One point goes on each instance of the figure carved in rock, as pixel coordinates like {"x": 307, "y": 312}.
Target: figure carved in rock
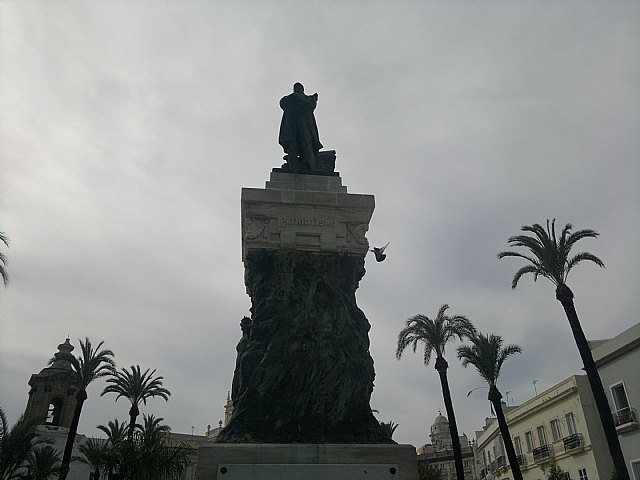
{"x": 236, "y": 388}
{"x": 255, "y": 228}
{"x": 298, "y": 130}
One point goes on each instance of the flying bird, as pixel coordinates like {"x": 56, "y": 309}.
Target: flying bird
{"x": 379, "y": 252}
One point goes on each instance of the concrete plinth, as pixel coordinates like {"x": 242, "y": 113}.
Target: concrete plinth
{"x": 306, "y": 462}
{"x": 305, "y": 213}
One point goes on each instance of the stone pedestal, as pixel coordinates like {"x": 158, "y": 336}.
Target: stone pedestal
{"x": 306, "y": 462}
{"x": 303, "y": 371}
{"x": 305, "y": 213}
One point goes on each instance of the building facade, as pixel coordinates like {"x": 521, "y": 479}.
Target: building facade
{"x": 618, "y": 362}
{"x": 558, "y": 427}
{"x": 440, "y": 451}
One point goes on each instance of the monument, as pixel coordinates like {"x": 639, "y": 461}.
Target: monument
{"x": 304, "y": 375}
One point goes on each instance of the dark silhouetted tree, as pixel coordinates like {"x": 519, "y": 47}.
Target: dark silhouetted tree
{"x": 389, "y": 428}
{"x": 43, "y": 463}
{"x": 91, "y": 364}
{"x": 550, "y": 257}
{"x": 487, "y": 354}
{"x": 434, "y": 334}
{"x": 16, "y": 444}
{"x": 136, "y": 387}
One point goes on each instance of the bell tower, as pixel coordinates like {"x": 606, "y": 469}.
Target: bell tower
{"x": 52, "y": 394}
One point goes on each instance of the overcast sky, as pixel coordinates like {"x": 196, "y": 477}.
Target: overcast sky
{"x": 129, "y": 129}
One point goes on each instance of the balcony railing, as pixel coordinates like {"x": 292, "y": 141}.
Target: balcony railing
{"x": 624, "y": 416}
{"x": 573, "y": 441}
{"x": 522, "y": 459}
{"x": 542, "y": 453}
{"x": 501, "y": 461}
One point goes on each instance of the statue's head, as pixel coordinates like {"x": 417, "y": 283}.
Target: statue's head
{"x": 245, "y": 325}
{"x": 298, "y": 88}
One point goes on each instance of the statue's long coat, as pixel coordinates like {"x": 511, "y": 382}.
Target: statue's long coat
{"x": 298, "y": 129}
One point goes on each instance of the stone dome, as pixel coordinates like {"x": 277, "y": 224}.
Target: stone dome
{"x": 440, "y": 420}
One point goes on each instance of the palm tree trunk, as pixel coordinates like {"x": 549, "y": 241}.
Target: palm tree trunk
{"x": 133, "y": 415}
{"x": 134, "y": 411}
{"x": 441, "y": 367}
{"x": 81, "y": 396}
{"x": 495, "y": 398}
{"x": 565, "y": 296}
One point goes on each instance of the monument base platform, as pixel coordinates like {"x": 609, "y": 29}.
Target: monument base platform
{"x": 265, "y": 461}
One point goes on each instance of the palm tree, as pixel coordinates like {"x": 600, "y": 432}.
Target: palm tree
{"x": 550, "y": 257}
{"x": 43, "y": 463}
{"x": 487, "y": 354}
{"x": 136, "y": 387}
{"x": 95, "y": 453}
{"x": 152, "y": 456}
{"x": 116, "y": 435}
{"x": 16, "y": 444}
{"x": 3, "y": 260}
{"x": 389, "y": 428}
{"x": 93, "y": 363}
{"x": 114, "y": 430}
{"x": 435, "y": 334}
{"x": 152, "y": 428}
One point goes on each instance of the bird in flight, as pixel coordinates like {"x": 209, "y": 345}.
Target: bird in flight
{"x": 379, "y": 252}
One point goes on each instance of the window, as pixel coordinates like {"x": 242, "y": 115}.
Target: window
{"x": 542, "y": 435}
{"x": 571, "y": 423}
{"x": 555, "y": 429}
{"x": 635, "y": 468}
{"x": 53, "y": 412}
{"x": 582, "y": 474}
{"x": 517, "y": 445}
{"x": 528, "y": 436}
{"x": 619, "y": 395}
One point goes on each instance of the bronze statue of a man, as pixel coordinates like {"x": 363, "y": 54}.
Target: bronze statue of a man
{"x": 298, "y": 130}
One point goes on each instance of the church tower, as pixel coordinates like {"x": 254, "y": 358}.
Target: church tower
{"x": 440, "y": 434}
{"x": 52, "y": 396}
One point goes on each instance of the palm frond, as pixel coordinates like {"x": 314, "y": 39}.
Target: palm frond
{"x": 433, "y": 334}
{"x": 43, "y": 462}
{"x": 115, "y": 430}
{"x": 135, "y": 385}
{"x": 389, "y": 428}
{"x": 92, "y": 363}
{"x": 487, "y": 355}
{"x": 17, "y": 443}
{"x": 581, "y": 257}
{"x": 505, "y": 353}
{"x": 549, "y": 255}
{"x": 523, "y": 271}
{"x": 579, "y": 235}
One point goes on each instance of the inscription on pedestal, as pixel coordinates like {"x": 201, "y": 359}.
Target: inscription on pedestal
{"x": 287, "y": 216}
{"x": 309, "y": 222}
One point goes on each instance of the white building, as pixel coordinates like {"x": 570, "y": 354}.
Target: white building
{"x": 559, "y": 427}
{"x": 618, "y": 362}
